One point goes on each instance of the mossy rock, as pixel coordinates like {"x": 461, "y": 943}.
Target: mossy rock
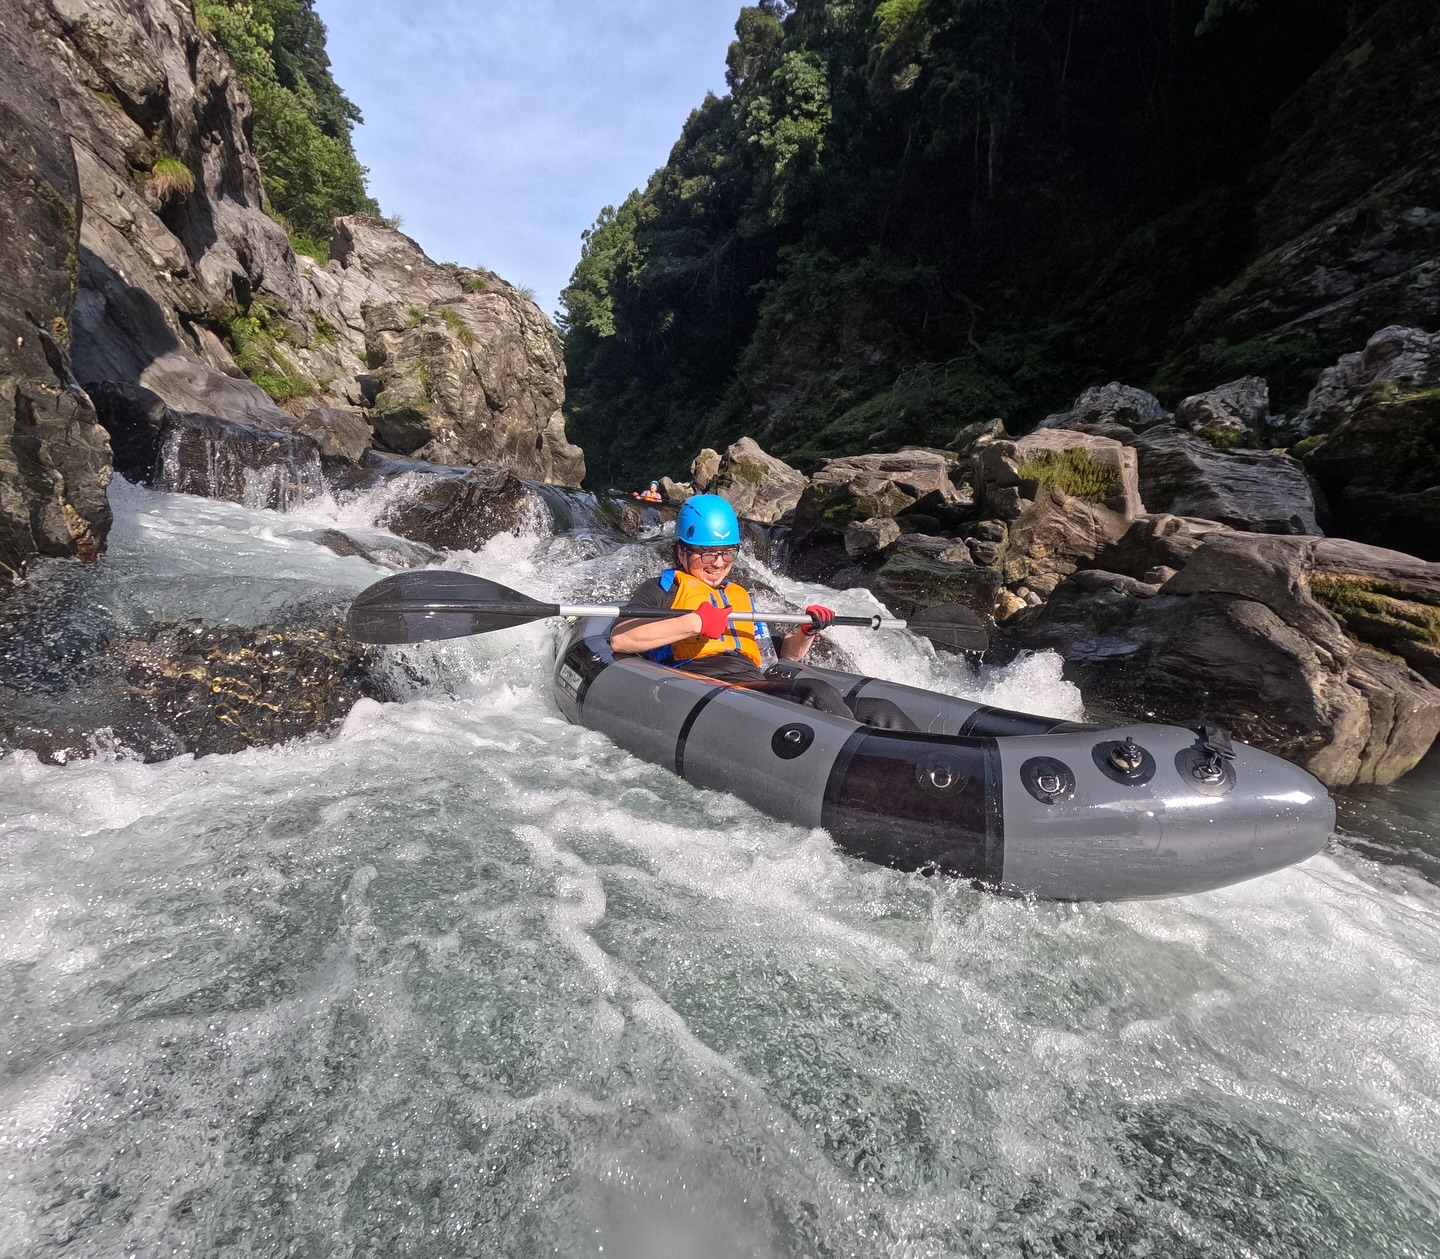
{"x": 1075, "y": 472}
{"x": 1394, "y": 617}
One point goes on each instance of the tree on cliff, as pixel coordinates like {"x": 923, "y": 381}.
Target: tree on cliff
{"x": 302, "y": 118}
{"x": 909, "y": 214}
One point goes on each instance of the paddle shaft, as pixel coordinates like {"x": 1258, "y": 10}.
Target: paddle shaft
{"x": 616, "y": 611}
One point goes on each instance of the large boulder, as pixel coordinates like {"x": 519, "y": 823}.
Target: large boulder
{"x": 1242, "y": 634}
{"x": 922, "y": 572}
{"x": 54, "y": 457}
{"x": 1408, "y": 357}
{"x": 474, "y": 379}
{"x": 189, "y": 289}
{"x": 1228, "y": 413}
{"x": 1386, "y": 599}
{"x": 161, "y": 263}
{"x": 703, "y": 469}
{"x": 865, "y": 486}
{"x": 1379, "y": 466}
{"x": 1261, "y": 491}
{"x": 1009, "y": 474}
{"x": 759, "y": 486}
{"x": 1110, "y": 404}
{"x": 1053, "y": 537}
{"x": 343, "y": 436}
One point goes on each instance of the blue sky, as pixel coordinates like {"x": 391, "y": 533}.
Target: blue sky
{"x": 498, "y": 128}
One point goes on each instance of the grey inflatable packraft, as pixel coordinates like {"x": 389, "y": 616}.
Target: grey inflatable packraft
{"x": 1023, "y": 804}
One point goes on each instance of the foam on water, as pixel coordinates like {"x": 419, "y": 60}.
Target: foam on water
{"x": 463, "y": 979}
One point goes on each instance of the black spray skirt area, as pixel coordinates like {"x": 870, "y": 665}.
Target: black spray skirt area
{"x": 1023, "y": 804}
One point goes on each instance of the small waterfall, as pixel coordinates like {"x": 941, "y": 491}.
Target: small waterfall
{"x": 257, "y": 468}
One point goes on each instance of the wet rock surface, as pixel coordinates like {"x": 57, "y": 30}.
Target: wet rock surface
{"x": 187, "y": 687}
{"x": 457, "y": 509}
{"x": 54, "y": 457}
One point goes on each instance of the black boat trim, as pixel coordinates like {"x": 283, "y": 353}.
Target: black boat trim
{"x": 690, "y": 718}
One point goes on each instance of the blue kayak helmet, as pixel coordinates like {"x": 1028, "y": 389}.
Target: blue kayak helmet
{"x": 707, "y": 520}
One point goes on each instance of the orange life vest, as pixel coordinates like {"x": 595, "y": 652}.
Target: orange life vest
{"x": 691, "y": 592}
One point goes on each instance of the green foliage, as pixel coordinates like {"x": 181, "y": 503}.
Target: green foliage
{"x": 526, "y": 292}
{"x": 413, "y": 316}
{"x": 170, "y": 177}
{"x": 474, "y": 284}
{"x": 255, "y": 337}
{"x": 1021, "y": 197}
{"x": 302, "y": 119}
{"x": 393, "y": 221}
{"x": 457, "y": 325}
{"x": 1075, "y": 472}
{"x": 1220, "y": 436}
{"x": 311, "y": 248}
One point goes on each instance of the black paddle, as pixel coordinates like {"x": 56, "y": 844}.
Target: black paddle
{"x": 420, "y": 607}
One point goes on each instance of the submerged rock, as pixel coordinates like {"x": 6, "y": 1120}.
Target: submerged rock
{"x": 187, "y": 687}
{"x": 453, "y": 508}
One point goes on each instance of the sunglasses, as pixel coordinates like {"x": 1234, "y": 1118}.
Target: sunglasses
{"x": 713, "y": 554}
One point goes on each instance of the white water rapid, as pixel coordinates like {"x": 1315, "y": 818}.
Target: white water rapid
{"x": 463, "y": 979}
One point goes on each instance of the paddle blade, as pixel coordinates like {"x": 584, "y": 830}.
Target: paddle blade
{"x": 400, "y": 609}
{"x": 951, "y": 625}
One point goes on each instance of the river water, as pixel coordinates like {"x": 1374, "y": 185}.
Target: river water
{"x": 463, "y": 979}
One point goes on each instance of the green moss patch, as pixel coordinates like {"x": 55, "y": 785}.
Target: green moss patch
{"x": 1075, "y": 472}
{"x": 1392, "y": 616}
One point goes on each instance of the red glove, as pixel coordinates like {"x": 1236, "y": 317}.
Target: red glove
{"x": 714, "y": 622}
{"x": 823, "y": 616}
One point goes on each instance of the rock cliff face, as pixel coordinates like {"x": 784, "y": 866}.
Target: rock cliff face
{"x": 54, "y": 458}
{"x": 137, "y": 240}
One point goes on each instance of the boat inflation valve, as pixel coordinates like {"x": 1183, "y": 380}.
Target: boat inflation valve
{"x": 1206, "y": 767}
{"x": 791, "y": 740}
{"x": 938, "y": 776}
{"x": 1048, "y": 780}
{"x": 1124, "y": 761}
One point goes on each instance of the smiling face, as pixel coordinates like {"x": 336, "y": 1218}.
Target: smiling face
{"x": 710, "y": 564}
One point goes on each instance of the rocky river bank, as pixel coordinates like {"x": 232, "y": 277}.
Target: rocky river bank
{"x": 1275, "y": 573}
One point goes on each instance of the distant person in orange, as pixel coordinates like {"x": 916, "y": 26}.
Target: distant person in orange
{"x": 652, "y": 495}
